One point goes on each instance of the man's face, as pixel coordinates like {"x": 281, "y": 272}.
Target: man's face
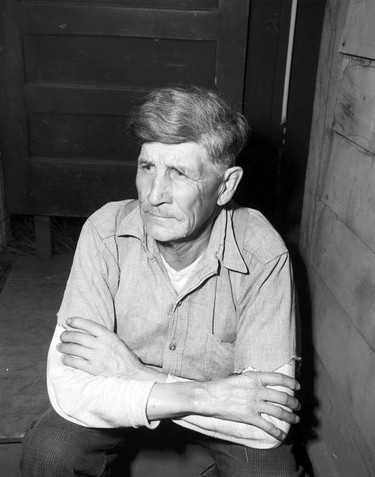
{"x": 178, "y": 187}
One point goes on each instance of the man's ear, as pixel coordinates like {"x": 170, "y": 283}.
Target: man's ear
{"x": 231, "y": 179}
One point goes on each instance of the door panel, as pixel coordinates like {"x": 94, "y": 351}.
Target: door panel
{"x": 129, "y": 62}
{"x": 71, "y": 73}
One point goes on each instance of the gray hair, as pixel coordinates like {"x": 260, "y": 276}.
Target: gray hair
{"x": 191, "y": 114}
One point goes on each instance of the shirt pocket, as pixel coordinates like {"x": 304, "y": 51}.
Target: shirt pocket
{"x": 219, "y": 358}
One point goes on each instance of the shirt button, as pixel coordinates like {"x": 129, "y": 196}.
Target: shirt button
{"x": 172, "y": 346}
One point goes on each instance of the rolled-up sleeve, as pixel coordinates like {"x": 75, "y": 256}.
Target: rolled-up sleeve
{"x": 266, "y": 335}
{"x": 93, "y": 401}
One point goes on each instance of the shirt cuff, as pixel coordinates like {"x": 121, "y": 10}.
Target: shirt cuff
{"x": 137, "y": 405}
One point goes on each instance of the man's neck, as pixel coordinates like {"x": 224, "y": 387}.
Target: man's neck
{"x": 182, "y": 253}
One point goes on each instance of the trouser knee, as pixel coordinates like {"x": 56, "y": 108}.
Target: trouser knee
{"x": 54, "y": 447}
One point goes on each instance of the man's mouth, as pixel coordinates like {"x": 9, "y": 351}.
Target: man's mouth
{"x": 159, "y": 216}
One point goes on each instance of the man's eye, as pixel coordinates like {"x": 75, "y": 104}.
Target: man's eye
{"x": 178, "y": 173}
{"x": 146, "y": 167}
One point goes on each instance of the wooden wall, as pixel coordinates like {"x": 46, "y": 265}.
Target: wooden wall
{"x": 3, "y": 214}
{"x": 338, "y": 242}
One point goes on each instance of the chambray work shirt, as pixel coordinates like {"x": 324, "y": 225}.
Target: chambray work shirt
{"x": 236, "y": 312}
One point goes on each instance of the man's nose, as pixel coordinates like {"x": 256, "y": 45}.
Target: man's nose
{"x": 159, "y": 192}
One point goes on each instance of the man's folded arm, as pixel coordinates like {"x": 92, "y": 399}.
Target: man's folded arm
{"x": 95, "y": 401}
{"x": 238, "y": 432}
{"x": 125, "y": 401}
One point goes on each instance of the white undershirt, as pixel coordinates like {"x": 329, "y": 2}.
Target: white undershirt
{"x": 179, "y": 278}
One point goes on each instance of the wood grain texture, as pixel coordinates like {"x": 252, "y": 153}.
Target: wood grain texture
{"x": 230, "y": 54}
{"x": 359, "y": 38}
{"x": 326, "y": 84}
{"x": 180, "y": 5}
{"x": 354, "y": 115}
{"x": 81, "y": 66}
{"x": 350, "y": 363}
{"x": 97, "y": 137}
{"x": 126, "y": 62}
{"x": 79, "y": 186}
{"x": 347, "y": 266}
{"x": 57, "y": 19}
{"x": 28, "y": 306}
{"x": 340, "y": 450}
{"x": 338, "y": 246}
{"x": 111, "y": 100}
{"x": 348, "y": 188}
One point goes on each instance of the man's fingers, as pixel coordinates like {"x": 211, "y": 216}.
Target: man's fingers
{"x": 278, "y": 379}
{"x": 282, "y": 398}
{"x": 268, "y": 427}
{"x": 77, "y": 363}
{"x": 89, "y": 326}
{"x": 78, "y": 337}
{"x": 74, "y": 350}
{"x": 280, "y": 413}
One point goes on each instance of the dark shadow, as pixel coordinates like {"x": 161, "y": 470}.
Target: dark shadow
{"x": 258, "y": 188}
{"x": 269, "y": 182}
{"x": 268, "y": 185}
{"x": 305, "y": 431}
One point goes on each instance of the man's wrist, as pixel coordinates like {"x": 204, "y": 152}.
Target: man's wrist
{"x": 201, "y": 399}
{"x": 176, "y": 400}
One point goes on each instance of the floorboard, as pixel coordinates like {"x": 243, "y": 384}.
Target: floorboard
{"x": 28, "y": 305}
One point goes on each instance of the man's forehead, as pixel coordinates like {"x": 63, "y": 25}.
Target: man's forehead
{"x": 184, "y": 149}
{"x": 189, "y": 154}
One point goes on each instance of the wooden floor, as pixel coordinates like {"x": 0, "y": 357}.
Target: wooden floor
{"x": 28, "y": 306}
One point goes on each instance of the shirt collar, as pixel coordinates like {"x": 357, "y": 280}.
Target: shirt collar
{"x": 222, "y": 245}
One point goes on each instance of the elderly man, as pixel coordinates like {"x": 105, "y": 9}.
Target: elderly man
{"x": 178, "y": 312}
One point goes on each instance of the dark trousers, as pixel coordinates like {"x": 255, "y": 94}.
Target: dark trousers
{"x": 55, "y": 447}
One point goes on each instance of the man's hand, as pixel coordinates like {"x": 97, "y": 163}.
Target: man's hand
{"x": 248, "y": 397}
{"x": 96, "y": 350}
{"x": 245, "y": 398}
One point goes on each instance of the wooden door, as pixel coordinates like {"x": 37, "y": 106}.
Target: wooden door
{"x": 70, "y": 72}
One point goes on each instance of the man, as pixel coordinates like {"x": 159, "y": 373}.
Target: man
{"x": 179, "y": 307}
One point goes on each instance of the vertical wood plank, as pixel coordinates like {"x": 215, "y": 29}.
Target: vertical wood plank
{"x": 231, "y": 49}
{"x": 359, "y": 38}
{"x": 349, "y": 360}
{"x": 339, "y": 450}
{"x": 349, "y": 187}
{"x": 351, "y": 281}
{"x": 337, "y": 245}
{"x": 326, "y": 84}
{"x": 354, "y": 115}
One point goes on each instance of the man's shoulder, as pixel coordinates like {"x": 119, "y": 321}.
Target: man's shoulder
{"x": 256, "y": 234}
{"x": 108, "y": 218}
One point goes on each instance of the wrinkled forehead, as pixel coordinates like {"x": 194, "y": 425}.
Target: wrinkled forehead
{"x": 189, "y": 155}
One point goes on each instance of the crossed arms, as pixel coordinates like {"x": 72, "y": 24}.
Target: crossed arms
{"x": 101, "y": 383}
{"x": 245, "y": 408}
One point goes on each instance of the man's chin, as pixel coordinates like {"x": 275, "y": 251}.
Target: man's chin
{"x": 164, "y": 234}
